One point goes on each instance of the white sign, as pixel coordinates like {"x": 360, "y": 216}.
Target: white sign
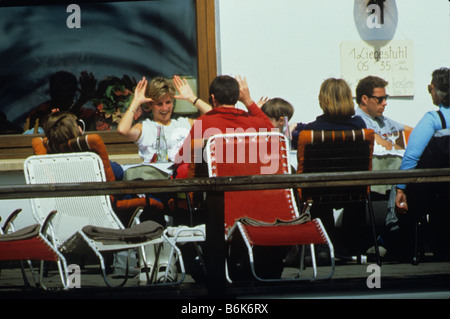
{"x": 392, "y": 61}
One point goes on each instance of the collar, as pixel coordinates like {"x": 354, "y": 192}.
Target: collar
{"x": 226, "y": 110}
{"x": 360, "y": 112}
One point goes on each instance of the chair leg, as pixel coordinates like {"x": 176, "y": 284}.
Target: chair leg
{"x": 415, "y": 257}
{"x": 24, "y": 275}
{"x": 374, "y": 232}
{"x": 313, "y": 260}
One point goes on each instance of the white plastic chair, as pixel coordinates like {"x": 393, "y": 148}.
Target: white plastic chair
{"x": 76, "y": 212}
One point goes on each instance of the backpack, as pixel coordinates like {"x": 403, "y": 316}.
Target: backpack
{"x": 437, "y": 152}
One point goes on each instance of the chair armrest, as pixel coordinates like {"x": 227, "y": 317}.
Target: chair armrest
{"x": 135, "y": 218}
{"x": 47, "y": 221}
{"x": 10, "y": 220}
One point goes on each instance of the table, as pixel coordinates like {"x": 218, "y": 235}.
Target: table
{"x": 383, "y": 160}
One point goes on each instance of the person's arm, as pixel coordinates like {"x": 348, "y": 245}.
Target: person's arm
{"x": 262, "y": 101}
{"x": 417, "y": 142}
{"x": 400, "y": 201}
{"x": 383, "y": 142}
{"x": 185, "y": 93}
{"x": 244, "y": 92}
{"x": 125, "y": 127}
{"x": 252, "y": 107}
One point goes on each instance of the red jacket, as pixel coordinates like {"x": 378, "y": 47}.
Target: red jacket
{"x": 223, "y": 120}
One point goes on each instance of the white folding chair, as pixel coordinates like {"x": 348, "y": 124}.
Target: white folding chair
{"x": 76, "y": 212}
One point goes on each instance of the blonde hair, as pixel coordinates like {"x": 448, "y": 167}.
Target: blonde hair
{"x": 159, "y": 87}
{"x": 59, "y": 127}
{"x": 335, "y": 98}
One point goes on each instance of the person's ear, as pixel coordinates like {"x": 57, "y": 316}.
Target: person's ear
{"x": 212, "y": 100}
{"x": 364, "y": 99}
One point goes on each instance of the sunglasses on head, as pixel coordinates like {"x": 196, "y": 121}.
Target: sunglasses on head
{"x": 380, "y": 99}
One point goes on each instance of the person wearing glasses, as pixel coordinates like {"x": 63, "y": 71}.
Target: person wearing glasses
{"x": 372, "y": 99}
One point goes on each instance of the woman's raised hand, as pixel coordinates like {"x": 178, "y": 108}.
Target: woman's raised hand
{"x": 139, "y": 92}
{"x": 184, "y": 90}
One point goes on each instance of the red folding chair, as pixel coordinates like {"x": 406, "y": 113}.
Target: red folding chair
{"x": 263, "y": 217}
{"x": 31, "y": 244}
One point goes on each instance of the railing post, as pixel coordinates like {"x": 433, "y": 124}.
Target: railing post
{"x": 215, "y": 245}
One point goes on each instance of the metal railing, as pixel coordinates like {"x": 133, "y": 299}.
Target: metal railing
{"x": 232, "y": 183}
{"x": 215, "y": 188}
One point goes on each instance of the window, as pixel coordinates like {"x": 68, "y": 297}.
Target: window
{"x": 118, "y": 41}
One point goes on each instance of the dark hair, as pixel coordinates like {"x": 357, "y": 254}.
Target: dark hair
{"x": 365, "y": 86}
{"x": 440, "y": 80}
{"x": 225, "y": 89}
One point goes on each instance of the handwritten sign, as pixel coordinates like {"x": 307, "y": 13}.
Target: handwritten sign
{"x": 392, "y": 61}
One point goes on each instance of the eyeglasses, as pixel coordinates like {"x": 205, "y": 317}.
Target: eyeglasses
{"x": 380, "y": 99}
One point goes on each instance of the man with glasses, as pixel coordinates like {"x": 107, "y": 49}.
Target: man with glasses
{"x": 372, "y": 100}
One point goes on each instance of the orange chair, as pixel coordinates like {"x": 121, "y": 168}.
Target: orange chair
{"x": 263, "y": 217}
{"x": 337, "y": 151}
{"x": 94, "y": 143}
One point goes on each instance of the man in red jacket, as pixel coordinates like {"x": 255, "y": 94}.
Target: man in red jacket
{"x": 224, "y": 92}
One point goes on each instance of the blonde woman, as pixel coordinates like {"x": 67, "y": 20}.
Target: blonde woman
{"x": 157, "y": 97}
{"x": 335, "y": 99}
{"x": 336, "y": 102}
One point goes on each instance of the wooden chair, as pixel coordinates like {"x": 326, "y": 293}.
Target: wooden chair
{"x": 337, "y": 151}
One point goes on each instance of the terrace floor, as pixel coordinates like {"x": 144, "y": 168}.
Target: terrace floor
{"x": 428, "y": 279}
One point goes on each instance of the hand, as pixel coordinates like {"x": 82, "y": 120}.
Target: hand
{"x": 381, "y": 141}
{"x": 261, "y": 101}
{"x": 139, "y": 93}
{"x": 400, "y": 202}
{"x": 244, "y": 92}
{"x": 184, "y": 90}
{"x": 88, "y": 85}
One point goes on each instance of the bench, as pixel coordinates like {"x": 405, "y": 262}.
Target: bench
{"x": 14, "y": 149}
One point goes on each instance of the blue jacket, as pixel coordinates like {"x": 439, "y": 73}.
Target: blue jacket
{"x": 421, "y": 136}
